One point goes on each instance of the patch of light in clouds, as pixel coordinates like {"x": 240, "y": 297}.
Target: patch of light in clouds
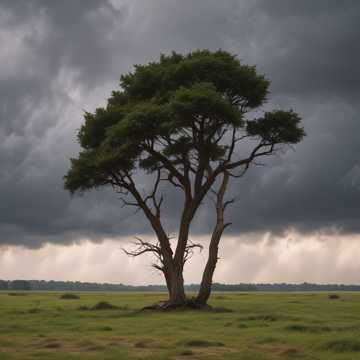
{"x": 321, "y": 258}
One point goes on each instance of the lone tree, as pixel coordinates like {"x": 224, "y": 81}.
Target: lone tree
{"x": 181, "y": 120}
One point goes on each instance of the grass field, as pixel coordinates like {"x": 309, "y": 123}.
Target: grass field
{"x": 259, "y": 326}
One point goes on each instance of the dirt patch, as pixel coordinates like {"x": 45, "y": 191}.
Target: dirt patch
{"x": 48, "y": 343}
{"x": 291, "y": 352}
{"x": 53, "y": 345}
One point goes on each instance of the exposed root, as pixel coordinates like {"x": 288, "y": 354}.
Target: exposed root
{"x": 188, "y": 304}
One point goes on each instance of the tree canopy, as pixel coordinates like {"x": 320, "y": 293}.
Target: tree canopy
{"x": 180, "y": 118}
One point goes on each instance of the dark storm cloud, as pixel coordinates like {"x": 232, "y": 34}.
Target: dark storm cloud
{"x": 60, "y": 57}
{"x": 312, "y": 188}
{"x": 315, "y": 46}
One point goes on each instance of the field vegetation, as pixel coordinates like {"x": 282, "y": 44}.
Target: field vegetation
{"x": 242, "y": 326}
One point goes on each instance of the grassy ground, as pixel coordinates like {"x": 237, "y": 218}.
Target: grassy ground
{"x": 260, "y": 326}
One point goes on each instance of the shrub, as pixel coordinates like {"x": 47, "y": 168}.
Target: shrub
{"x": 104, "y": 305}
{"x": 69, "y": 296}
{"x": 106, "y": 328}
{"x": 17, "y": 294}
{"x": 186, "y": 353}
{"x": 343, "y": 345}
{"x": 307, "y": 328}
{"x": 203, "y": 343}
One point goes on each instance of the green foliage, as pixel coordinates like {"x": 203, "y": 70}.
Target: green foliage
{"x": 92, "y": 133}
{"x": 179, "y": 107}
{"x": 92, "y": 168}
{"x": 158, "y": 79}
{"x": 202, "y": 99}
{"x": 19, "y": 285}
{"x": 277, "y": 127}
{"x": 3, "y": 285}
{"x": 144, "y": 122}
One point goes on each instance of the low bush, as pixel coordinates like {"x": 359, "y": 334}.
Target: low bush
{"x": 309, "y": 328}
{"x": 102, "y": 305}
{"x": 203, "y": 343}
{"x": 186, "y": 353}
{"x": 17, "y": 294}
{"x": 69, "y": 296}
{"x": 343, "y": 345}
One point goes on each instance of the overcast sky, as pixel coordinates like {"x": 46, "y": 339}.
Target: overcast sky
{"x": 300, "y": 212}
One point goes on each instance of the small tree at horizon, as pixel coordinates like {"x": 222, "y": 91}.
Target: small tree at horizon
{"x": 182, "y": 120}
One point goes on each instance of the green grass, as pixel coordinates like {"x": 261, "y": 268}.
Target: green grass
{"x": 260, "y": 326}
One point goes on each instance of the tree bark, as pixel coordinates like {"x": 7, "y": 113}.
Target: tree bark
{"x": 177, "y": 293}
{"x": 206, "y": 282}
{"x": 174, "y": 281}
{"x": 174, "y": 278}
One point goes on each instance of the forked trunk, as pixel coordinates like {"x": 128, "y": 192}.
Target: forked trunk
{"x": 173, "y": 265}
{"x": 206, "y": 282}
{"x": 174, "y": 279}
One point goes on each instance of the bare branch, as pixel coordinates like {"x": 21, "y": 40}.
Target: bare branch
{"x": 228, "y": 202}
{"x": 169, "y": 166}
{"x": 189, "y": 250}
{"x": 143, "y": 247}
{"x": 254, "y": 154}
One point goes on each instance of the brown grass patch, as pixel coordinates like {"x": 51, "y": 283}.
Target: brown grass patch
{"x": 291, "y": 352}
{"x": 53, "y": 345}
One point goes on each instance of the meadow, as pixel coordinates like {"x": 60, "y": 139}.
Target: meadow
{"x": 242, "y": 326}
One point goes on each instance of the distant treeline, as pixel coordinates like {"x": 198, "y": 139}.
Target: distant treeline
{"x": 42, "y": 285}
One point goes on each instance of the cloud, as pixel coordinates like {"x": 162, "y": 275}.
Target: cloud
{"x": 60, "y": 58}
{"x": 254, "y": 258}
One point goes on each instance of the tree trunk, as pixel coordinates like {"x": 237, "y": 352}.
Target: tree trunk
{"x": 206, "y": 282}
{"x": 177, "y": 292}
{"x": 167, "y": 279}
{"x": 174, "y": 282}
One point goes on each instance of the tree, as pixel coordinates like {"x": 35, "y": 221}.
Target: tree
{"x": 181, "y": 120}
{"x": 19, "y": 285}
{"x": 3, "y": 285}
